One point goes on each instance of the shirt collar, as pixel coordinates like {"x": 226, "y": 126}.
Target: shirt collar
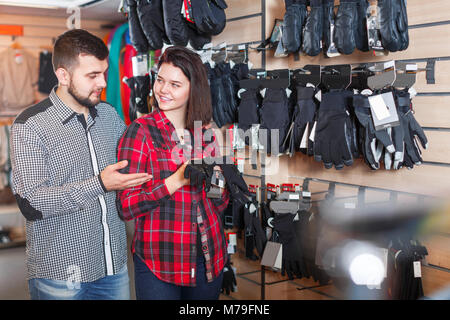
{"x": 64, "y": 112}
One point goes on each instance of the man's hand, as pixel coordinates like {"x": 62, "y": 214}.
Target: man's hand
{"x": 114, "y": 180}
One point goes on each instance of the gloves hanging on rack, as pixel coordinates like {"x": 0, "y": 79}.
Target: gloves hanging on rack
{"x": 294, "y": 20}
{"x": 248, "y": 112}
{"x": 274, "y": 114}
{"x": 328, "y": 19}
{"x": 313, "y": 30}
{"x": 174, "y": 24}
{"x": 370, "y": 138}
{"x": 137, "y": 36}
{"x": 345, "y": 26}
{"x": 393, "y": 24}
{"x": 283, "y": 225}
{"x": 304, "y": 117}
{"x": 150, "y": 18}
{"x": 209, "y": 16}
{"x": 255, "y": 237}
{"x": 361, "y": 36}
{"x": 139, "y": 92}
{"x": 411, "y": 130}
{"x": 333, "y": 136}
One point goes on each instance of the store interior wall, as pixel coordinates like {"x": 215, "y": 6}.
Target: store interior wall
{"x": 429, "y": 31}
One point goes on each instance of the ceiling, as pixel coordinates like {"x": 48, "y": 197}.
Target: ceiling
{"x": 101, "y": 10}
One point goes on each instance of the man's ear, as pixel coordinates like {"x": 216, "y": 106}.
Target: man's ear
{"x": 63, "y": 76}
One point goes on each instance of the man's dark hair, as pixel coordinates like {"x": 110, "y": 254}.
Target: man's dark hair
{"x": 199, "y": 106}
{"x": 72, "y": 43}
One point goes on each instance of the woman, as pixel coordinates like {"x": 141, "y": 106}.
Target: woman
{"x": 179, "y": 247}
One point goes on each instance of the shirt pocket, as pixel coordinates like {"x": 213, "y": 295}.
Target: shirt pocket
{"x": 165, "y": 159}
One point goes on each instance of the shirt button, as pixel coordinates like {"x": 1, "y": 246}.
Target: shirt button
{"x": 205, "y": 247}
{"x": 194, "y": 201}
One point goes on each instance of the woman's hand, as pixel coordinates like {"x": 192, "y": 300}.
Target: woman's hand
{"x": 177, "y": 180}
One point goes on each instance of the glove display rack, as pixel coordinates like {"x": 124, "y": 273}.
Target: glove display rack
{"x": 429, "y": 111}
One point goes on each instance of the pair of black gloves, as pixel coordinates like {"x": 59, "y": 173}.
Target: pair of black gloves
{"x": 201, "y": 173}
{"x": 307, "y": 31}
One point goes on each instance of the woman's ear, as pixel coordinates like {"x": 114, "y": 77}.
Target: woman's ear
{"x": 63, "y": 76}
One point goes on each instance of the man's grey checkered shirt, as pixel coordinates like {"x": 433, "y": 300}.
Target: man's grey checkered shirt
{"x": 72, "y": 234}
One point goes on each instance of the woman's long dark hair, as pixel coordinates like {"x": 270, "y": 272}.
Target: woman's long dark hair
{"x": 199, "y": 106}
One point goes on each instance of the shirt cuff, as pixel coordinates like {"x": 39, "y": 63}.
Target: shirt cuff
{"x": 93, "y": 188}
{"x": 160, "y": 191}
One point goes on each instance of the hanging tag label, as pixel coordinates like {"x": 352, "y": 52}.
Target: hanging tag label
{"x": 304, "y": 142}
{"x": 349, "y": 205}
{"x": 140, "y": 65}
{"x": 313, "y": 132}
{"x": 412, "y": 92}
{"x": 306, "y": 194}
{"x": 318, "y": 95}
{"x": 294, "y": 196}
{"x": 378, "y": 106}
{"x": 240, "y": 165}
{"x": 417, "y": 269}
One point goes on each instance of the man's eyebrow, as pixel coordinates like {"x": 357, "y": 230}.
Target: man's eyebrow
{"x": 97, "y": 72}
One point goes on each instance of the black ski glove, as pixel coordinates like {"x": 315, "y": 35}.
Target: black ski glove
{"x": 274, "y": 114}
{"x": 236, "y": 185}
{"x": 346, "y": 22}
{"x": 393, "y": 24}
{"x": 150, "y": 18}
{"x": 411, "y": 130}
{"x": 313, "y": 29}
{"x": 229, "y": 279}
{"x": 174, "y": 23}
{"x": 304, "y": 115}
{"x": 199, "y": 175}
{"x": 369, "y": 135}
{"x": 139, "y": 92}
{"x": 293, "y": 23}
{"x": 137, "y": 36}
{"x": 248, "y": 113}
{"x": 328, "y": 18}
{"x": 333, "y": 138}
{"x": 361, "y": 38}
{"x": 283, "y": 224}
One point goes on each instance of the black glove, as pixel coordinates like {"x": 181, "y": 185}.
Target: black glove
{"x": 139, "y": 92}
{"x": 332, "y": 142}
{"x": 304, "y": 115}
{"x": 328, "y": 18}
{"x": 274, "y": 114}
{"x": 345, "y": 28}
{"x": 361, "y": 38}
{"x": 217, "y": 95}
{"x": 197, "y": 39}
{"x": 411, "y": 130}
{"x": 283, "y": 224}
{"x": 393, "y": 24}
{"x": 150, "y": 18}
{"x": 313, "y": 29}
{"x": 230, "y": 100}
{"x": 229, "y": 279}
{"x": 174, "y": 23}
{"x": 137, "y": 36}
{"x": 293, "y": 23}
{"x": 236, "y": 185}
{"x": 248, "y": 112}
{"x": 199, "y": 174}
{"x": 369, "y": 136}
{"x": 208, "y": 17}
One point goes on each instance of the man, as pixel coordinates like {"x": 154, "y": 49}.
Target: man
{"x": 64, "y": 177}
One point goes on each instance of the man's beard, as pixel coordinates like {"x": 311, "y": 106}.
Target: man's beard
{"x": 84, "y": 101}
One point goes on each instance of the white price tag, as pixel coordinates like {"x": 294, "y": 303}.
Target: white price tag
{"x": 379, "y": 107}
{"x": 294, "y": 196}
{"x": 306, "y": 194}
{"x": 232, "y": 239}
{"x": 411, "y": 67}
{"x": 389, "y": 64}
{"x": 417, "y": 269}
{"x": 349, "y": 205}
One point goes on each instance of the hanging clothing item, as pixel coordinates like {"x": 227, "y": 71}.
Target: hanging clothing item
{"x": 18, "y": 78}
{"x": 47, "y": 77}
{"x": 114, "y": 81}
